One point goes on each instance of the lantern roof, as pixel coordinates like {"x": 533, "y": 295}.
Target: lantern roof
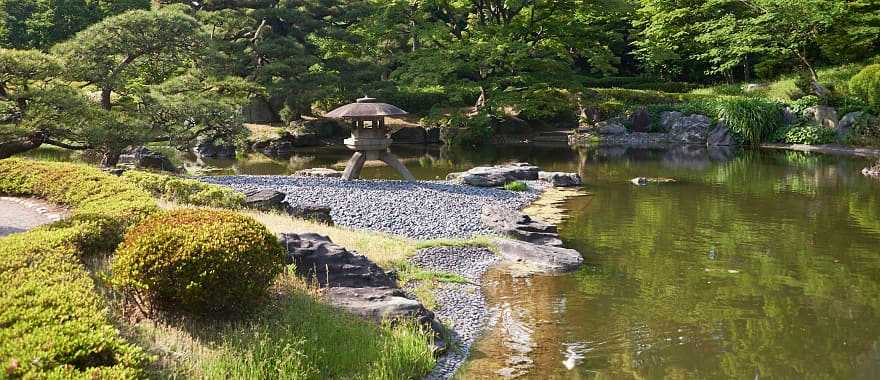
{"x": 364, "y": 108}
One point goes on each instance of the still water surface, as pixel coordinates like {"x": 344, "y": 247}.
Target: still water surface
{"x": 754, "y": 264}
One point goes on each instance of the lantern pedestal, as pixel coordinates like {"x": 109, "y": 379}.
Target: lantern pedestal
{"x": 371, "y": 144}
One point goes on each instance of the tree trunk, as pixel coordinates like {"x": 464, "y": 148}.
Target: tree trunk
{"x": 21, "y": 145}
{"x": 105, "y": 99}
{"x": 110, "y": 157}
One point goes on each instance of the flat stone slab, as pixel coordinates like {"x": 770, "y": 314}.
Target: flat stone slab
{"x": 22, "y": 214}
{"x": 539, "y": 258}
{"x": 319, "y": 172}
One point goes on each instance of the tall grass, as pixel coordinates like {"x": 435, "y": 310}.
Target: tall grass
{"x": 754, "y": 120}
{"x": 294, "y": 337}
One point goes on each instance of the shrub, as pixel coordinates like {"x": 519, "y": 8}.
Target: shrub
{"x": 808, "y": 133}
{"x": 186, "y": 191}
{"x": 865, "y": 132}
{"x": 798, "y": 106}
{"x": 866, "y": 85}
{"x": 199, "y": 261}
{"x": 516, "y": 186}
{"x": 53, "y": 324}
{"x": 753, "y": 120}
{"x": 459, "y": 129}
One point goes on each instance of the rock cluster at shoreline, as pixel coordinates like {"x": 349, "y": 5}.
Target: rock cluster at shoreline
{"x": 462, "y": 307}
{"x": 420, "y": 210}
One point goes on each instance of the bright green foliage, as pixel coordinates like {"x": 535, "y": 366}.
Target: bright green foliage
{"x": 186, "y": 191}
{"x": 866, "y": 85}
{"x": 865, "y": 131}
{"x": 38, "y": 24}
{"x": 753, "y": 119}
{"x": 808, "y": 133}
{"x": 200, "y": 261}
{"x": 53, "y": 324}
{"x": 89, "y": 191}
{"x": 461, "y": 129}
{"x": 516, "y": 186}
{"x": 305, "y": 339}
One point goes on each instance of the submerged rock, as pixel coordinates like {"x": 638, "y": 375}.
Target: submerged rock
{"x": 520, "y": 226}
{"x": 560, "y": 179}
{"x": 872, "y": 171}
{"x": 644, "y": 181}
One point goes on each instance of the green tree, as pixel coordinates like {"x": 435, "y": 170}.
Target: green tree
{"x": 41, "y": 23}
{"x": 134, "y": 78}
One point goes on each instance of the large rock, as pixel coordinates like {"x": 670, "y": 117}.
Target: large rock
{"x": 319, "y": 172}
{"x": 789, "y": 117}
{"x": 824, "y": 115}
{"x": 323, "y": 129}
{"x": 410, "y": 135}
{"x": 519, "y": 226}
{"x": 640, "y": 120}
{"x": 265, "y": 200}
{"x": 610, "y": 128}
{"x": 145, "y": 158}
{"x": 668, "y": 118}
{"x": 356, "y": 284}
{"x": 847, "y": 122}
{"x": 209, "y": 149}
{"x": 692, "y": 129}
{"x": 381, "y": 304}
{"x": 560, "y": 179}
{"x": 330, "y": 265}
{"x": 720, "y": 135}
{"x": 315, "y": 213}
{"x": 540, "y": 258}
{"x": 493, "y": 176}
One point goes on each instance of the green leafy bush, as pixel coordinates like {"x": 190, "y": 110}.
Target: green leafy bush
{"x": 866, "y": 85}
{"x": 752, "y": 119}
{"x": 798, "y": 106}
{"x": 459, "y": 129}
{"x": 516, "y": 186}
{"x": 185, "y": 191}
{"x": 199, "y": 261}
{"x": 807, "y": 133}
{"x": 865, "y": 132}
{"x": 53, "y": 324}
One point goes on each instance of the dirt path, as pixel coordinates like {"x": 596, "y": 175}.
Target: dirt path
{"x": 22, "y": 214}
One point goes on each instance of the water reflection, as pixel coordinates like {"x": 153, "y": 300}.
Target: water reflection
{"x": 762, "y": 265}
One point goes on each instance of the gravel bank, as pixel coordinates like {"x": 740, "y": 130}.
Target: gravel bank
{"x": 419, "y": 210}
{"x": 461, "y": 307}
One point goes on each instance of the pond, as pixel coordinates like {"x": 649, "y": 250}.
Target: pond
{"x": 753, "y": 264}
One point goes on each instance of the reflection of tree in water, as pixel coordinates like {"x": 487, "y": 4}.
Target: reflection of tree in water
{"x": 764, "y": 266}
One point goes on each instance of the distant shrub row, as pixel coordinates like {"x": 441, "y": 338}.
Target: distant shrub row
{"x": 53, "y": 324}
{"x": 186, "y": 191}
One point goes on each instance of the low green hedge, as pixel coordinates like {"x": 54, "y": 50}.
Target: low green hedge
{"x": 185, "y": 191}
{"x": 198, "y": 260}
{"x": 53, "y": 323}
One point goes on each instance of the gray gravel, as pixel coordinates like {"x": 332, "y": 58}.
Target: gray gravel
{"x": 461, "y": 307}
{"x": 420, "y": 210}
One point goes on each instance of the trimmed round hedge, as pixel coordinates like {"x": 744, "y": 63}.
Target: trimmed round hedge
{"x": 198, "y": 261}
{"x": 866, "y": 85}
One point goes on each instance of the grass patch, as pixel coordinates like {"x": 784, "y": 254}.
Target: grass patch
{"x": 516, "y": 186}
{"x": 293, "y": 337}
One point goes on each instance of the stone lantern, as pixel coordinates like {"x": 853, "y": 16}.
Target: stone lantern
{"x": 369, "y": 136}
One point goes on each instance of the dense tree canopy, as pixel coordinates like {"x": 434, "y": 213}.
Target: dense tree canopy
{"x": 188, "y": 65}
